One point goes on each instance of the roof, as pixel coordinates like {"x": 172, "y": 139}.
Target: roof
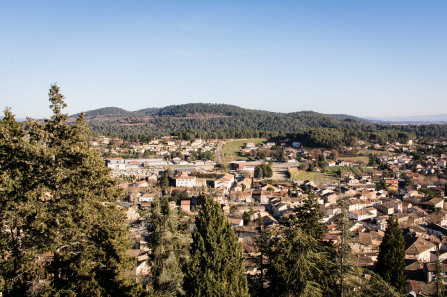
{"x": 433, "y": 201}
{"x": 422, "y": 288}
{"x": 185, "y": 177}
{"x": 226, "y": 177}
{"x": 438, "y": 228}
{"x": 418, "y": 245}
{"x": 234, "y": 221}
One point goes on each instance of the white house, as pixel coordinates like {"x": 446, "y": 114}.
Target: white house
{"x": 185, "y": 181}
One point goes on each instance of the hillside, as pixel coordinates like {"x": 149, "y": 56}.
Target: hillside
{"x": 107, "y": 112}
{"x": 229, "y": 121}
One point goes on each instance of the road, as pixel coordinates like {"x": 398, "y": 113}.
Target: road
{"x": 219, "y": 152}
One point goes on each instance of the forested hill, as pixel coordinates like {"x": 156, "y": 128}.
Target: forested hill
{"x": 228, "y": 121}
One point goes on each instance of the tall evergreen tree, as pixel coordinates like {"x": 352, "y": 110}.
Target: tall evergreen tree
{"x": 298, "y": 264}
{"x": 308, "y": 217}
{"x": 439, "y": 281}
{"x": 65, "y": 234}
{"x": 169, "y": 249}
{"x": 216, "y": 267}
{"x": 391, "y": 259}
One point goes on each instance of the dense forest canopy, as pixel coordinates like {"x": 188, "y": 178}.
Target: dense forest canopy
{"x": 202, "y": 120}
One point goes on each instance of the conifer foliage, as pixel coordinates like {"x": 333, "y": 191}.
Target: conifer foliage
{"x": 391, "y": 259}
{"x": 61, "y": 232}
{"x": 216, "y": 267}
{"x": 169, "y": 249}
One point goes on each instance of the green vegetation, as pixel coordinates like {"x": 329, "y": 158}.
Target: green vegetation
{"x": 308, "y": 217}
{"x": 299, "y": 267}
{"x": 169, "y": 249}
{"x": 391, "y": 260}
{"x": 263, "y": 171}
{"x": 223, "y": 121}
{"x": 62, "y": 233}
{"x": 216, "y": 267}
{"x": 301, "y": 264}
{"x": 336, "y": 169}
{"x": 312, "y": 176}
{"x": 231, "y": 150}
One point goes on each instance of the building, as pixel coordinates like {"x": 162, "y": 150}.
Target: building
{"x": 185, "y": 181}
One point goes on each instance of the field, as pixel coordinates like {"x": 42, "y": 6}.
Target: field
{"x": 334, "y": 169}
{"x": 231, "y": 150}
{"x": 375, "y": 152}
{"x": 363, "y": 159}
{"x": 313, "y": 176}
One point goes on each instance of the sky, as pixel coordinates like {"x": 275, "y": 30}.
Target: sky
{"x": 365, "y": 58}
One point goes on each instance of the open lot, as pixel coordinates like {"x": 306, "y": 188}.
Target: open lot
{"x": 363, "y": 159}
{"x": 312, "y": 176}
{"x": 231, "y": 150}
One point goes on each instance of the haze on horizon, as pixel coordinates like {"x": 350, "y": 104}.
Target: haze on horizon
{"x": 367, "y": 59}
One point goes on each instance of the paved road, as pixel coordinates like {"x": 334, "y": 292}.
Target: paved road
{"x": 219, "y": 152}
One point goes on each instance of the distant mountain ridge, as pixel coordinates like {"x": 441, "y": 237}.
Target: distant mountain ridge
{"x": 229, "y": 121}
{"x": 423, "y": 119}
{"x": 183, "y": 110}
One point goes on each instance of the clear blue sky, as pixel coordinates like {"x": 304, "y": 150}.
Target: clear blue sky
{"x": 365, "y": 58}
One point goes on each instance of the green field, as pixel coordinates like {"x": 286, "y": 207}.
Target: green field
{"x": 313, "y": 176}
{"x": 364, "y": 159}
{"x": 231, "y": 150}
{"x": 356, "y": 170}
{"x": 335, "y": 169}
{"x": 375, "y": 152}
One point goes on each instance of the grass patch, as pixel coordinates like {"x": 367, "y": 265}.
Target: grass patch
{"x": 375, "y": 152}
{"x": 363, "y": 159}
{"x": 334, "y": 169}
{"x": 231, "y": 151}
{"x": 313, "y": 176}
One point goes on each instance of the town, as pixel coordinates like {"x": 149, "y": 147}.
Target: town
{"x": 258, "y": 182}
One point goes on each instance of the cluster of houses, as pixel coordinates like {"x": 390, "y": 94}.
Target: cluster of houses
{"x": 402, "y": 190}
{"x": 162, "y": 147}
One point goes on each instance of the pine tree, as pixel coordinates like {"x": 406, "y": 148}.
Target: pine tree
{"x": 308, "y": 217}
{"x": 391, "y": 259}
{"x": 169, "y": 249}
{"x": 58, "y": 209}
{"x": 439, "y": 281}
{"x": 216, "y": 267}
{"x": 298, "y": 264}
{"x": 376, "y": 287}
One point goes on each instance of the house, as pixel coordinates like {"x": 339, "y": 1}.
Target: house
{"x": 185, "y": 181}
{"x": 430, "y": 270}
{"x": 385, "y": 208}
{"x": 392, "y": 184}
{"x": 436, "y": 230}
{"x": 417, "y": 248}
{"x": 418, "y": 288}
{"x": 241, "y": 196}
{"x": 360, "y": 215}
{"x": 142, "y": 184}
{"x": 115, "y": 163}
{"x": 225, "y": 182}
{"x": 395, "y": 203}
{"x": 146, "y": 198}
{"x": 185, "y": 205}
{"x": 236, "y": 222}
{"x": 434, "y": 203}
